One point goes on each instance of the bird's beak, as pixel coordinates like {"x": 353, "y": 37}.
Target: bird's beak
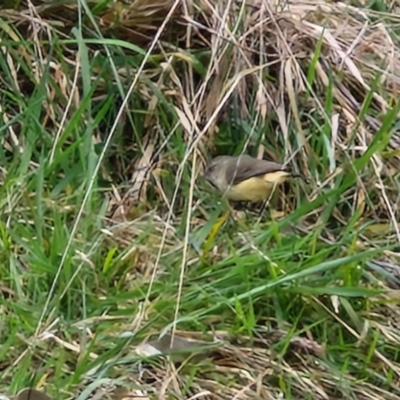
{"x": 206, "y": 173}
{"x": 207, "y": 177}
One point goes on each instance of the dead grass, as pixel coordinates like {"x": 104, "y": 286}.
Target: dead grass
{"x": 313, "y": 82}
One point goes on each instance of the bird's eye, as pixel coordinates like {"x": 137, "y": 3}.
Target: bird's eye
{"x": 209, "y": 169}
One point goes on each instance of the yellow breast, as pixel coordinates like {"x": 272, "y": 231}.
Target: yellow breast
{"x": 257, "y": 188}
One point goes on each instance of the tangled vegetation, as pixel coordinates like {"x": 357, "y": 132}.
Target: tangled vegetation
{"x": 112, "y": 243}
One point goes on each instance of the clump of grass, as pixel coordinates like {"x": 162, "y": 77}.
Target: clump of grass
{"x": 110, "y": 237}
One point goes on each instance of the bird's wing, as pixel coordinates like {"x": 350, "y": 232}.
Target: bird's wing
{"x": 246, "y": 167}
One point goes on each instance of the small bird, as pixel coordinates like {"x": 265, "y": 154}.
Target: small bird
{"x": 245, "y": 178}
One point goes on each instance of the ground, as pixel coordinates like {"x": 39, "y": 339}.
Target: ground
{"x": 112, "y": 242}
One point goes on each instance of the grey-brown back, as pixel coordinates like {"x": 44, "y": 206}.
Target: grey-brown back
{"x": 245, "y": 167}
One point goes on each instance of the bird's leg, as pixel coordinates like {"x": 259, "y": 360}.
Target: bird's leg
{"x": 237, "y": 212}
{"x": 263, "y": 207}
{"x": 266, "y": 203}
